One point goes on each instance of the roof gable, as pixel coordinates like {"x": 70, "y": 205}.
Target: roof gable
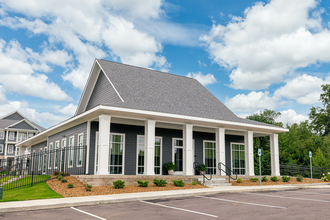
{"x": 14, "y": 116}
{"x": 24, "y": 125}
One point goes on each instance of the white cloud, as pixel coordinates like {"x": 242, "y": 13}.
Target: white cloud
{"x": 254, "y": 101}
{"x": 19, "y": 71}
{"x": 203, "y": 79}
{"x": 85, "y": 27}
{"x": 270, "y": 41}
{"x": 304, "y": 89}
{"x": 68, "y": 110}
{"x": 45, "y": 119}
{"x": 290, "y": 116}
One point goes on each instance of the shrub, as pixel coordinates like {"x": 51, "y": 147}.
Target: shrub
{"x": 143, "y": 184}
{"x": 118, "y": 184}
{"x": 64, "y": 180}
{"x": 264, "y": 179}
{"x": 194, "y": 183}
{"x": 170, "y": 166}
{"x": 70, "y": 185}
{"x": 299, "y": 178}
{"x": 254, "y": 179}
{"x": 274, "y": 179}
{"x": 201, "y": 167}
{"x": 160, "y": 182}
{"x": 178, "y": 183}
{"x": 88, "y": 187}
{"x": 56, "y": 172}
{"x": 62, "y": 173}
{"x": 60, "y": 177}
{"x": 239, "y": 180}
{"x": 325, "y": 178}
{"x": 286, "y": 178}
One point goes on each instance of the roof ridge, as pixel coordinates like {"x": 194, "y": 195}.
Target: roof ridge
{"x": 147, "y": 69}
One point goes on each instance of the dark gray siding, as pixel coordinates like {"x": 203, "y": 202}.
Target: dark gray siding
{"x": 103, "y": 93}
{"x": 74, "y": 131}
{"x": 2, "y": 141}
{"x": 23, "y": 125}
{"x": 14, "y": 116}
{"x": 230, "y": 139}
{"x": 38, "y": 146}
{"x": 199, "y": 137}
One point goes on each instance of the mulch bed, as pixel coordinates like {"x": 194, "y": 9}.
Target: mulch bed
{"x": 79, "y": 189}
{"x": 269, "y": 182}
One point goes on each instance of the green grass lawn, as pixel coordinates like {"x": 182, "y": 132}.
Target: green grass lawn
{"x": 37, "y": 191}
{"x": 25, "y": 181}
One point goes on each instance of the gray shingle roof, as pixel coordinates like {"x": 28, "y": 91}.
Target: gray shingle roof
{"x": 4, "y": 123}
{"x": 151, "y": 90}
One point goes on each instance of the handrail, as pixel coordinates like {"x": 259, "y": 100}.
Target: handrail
{"x": 226, "y": 168}
{"x": 202, "y": 173}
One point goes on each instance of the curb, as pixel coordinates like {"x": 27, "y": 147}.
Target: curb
{"x": 95, "y": 200}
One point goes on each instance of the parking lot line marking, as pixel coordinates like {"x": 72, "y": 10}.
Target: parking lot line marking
{"x": 95, "y": 216}
{"x": 287, "y": 197}
{"x": 309, "y": 193}
{"x": 247, "y": 203}
{"x": 186, "y": 210}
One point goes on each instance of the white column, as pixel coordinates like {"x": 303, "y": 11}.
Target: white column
{"x": 274, "y": 156}
{"x": 104, "y": 141}
{"x": 220, "y": 149}
{"x": 188, "y": 157}
{"x": 249, "y": 160}
{"x": 149, "y": 157}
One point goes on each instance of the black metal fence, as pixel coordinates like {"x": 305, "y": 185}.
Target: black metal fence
{"x": 294, "y": 170}
{"x": 38, "y": 167}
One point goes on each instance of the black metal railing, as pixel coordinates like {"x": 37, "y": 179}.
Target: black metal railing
{"x": 294, "y": 170}
{"x": 227, "y": 171}
{"x": 202, "y": 173}
{"x": 38, "y": 167}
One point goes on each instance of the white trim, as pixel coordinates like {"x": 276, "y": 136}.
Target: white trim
{"x": 123, "y": 162}
{"x": 110, "y": 82}
{"x": 96, "y": 152}
{"x": 44, "y": 156}
{"x": 29, "y": 123}
{"x": 56, "y": 151}
{"x": 12, "y": 149}
{"x": 137, "y": 154}
{"x": 181, "y": 139}
{"x": 50, "y": 154}
{"x": 215, "y": 154}
{"x": 231, "y": 157}
{"x": 63, "y": 152}
{"x": 71, "y": 149}
{"x": 2, "y": 148}
{"x": 80, "y": 150}
{"x": 161, "y": 154}
{"x": 3, "y": 137}
{"x": 88, "y": 145}
{"x": 9, "y": 139}
{"x": 12, "y": 114}
{"x": 42, "y": 159}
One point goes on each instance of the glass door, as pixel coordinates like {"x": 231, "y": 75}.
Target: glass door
{"x": 178, "y": 155}
{"x": 238, "y": 158}
{"x": 116, "y": 152}
{"x": 210, "y": 157}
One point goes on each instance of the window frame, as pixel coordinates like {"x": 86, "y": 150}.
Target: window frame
{"x": 12, "y": 152}
{"x": 231, "y": 157}
{"x": 3, "y": 134}
{"x": 9, "y": 136}
{"x": 79, "y": 149}
{"x": 215, "y": 155}
{"x": 57, "y": 147}
{"x": 40, "y": 158}
{"x": 17, "y": 151}
{"x": 137, "y": 153}
{"x": 71, "y": 150}
{"x": 1, "y": 148}
{"x": 109, "y": 159}
{"x": 50, "y": 155}
{"x": 96, "y": 166}
{"x": 180, "y": 139}
{"x": 20, "y": 136}
{"x": 161, "y": 155}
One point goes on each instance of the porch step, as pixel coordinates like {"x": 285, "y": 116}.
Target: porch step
{"x": 214, "y": 182}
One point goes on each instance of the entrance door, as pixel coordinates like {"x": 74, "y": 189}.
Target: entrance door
{"x": 177, "y": 157}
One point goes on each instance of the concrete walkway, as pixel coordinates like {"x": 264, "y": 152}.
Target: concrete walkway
{"x": 127, "y": 197}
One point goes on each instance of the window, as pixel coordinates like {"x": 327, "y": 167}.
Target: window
{"x": 158, "y": 155}
{"x": 63, "y": 151}
{"x": 177, "y": 156}
{"x": 10, "y": 149}
{"x": 140, "y": 154}
{"x": 21, "y": 137}
{"x": 57, "y": 146}
{"x": 210, "y": 157}
{"x": 50, "y": 155}
{"x": 116, "y": 154}
{"x": 97, "y": 153}
{"x": 11, "y": 136}
{"x": 1, "y": 148}
{"x": 2, "y": 134}
{"x": 40, "y": 159}
{"x": 31, "y": 135}
{"x": 17, "y": 151}
{"x": 238, "y": 158}
{"x": 80, "y": 150}
{"x": 45, "y": 160}
{"x": 71, "y": 151}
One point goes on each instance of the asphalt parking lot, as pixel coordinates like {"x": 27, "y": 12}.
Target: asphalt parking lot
{"x": 293, "y": 204}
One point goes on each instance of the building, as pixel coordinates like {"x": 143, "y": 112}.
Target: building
{"x": 15, "y": 128}
{"x": 133, "y": 120}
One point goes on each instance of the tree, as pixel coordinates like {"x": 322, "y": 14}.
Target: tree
{"x": 320, "y": 117}
{"x": 267, "y": 116}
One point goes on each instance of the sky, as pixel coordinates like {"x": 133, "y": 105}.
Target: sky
{"x": 252, "y": 55}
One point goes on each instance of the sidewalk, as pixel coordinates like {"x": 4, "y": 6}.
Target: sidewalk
{"x": 128, "y": 197}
